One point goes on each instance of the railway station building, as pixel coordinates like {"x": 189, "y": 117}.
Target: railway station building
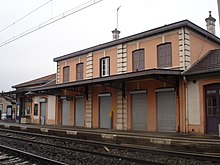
{"x": 163, "y": 80}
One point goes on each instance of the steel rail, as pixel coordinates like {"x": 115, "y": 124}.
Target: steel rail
{"x": 136, "y": 160}
{"x": 31, "y": 156}
{"x": 200, "y": 156}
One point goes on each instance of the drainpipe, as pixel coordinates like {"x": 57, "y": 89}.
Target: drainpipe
{"x": 187, "y": 106}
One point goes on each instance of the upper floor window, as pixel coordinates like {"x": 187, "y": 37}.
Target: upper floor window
{"x": 79, "y": 71}
{"x": 164, "y": 55}
{"x": 66, "y": 74}
{"x": 138, "y": 60}
{"x": 104, "y": 67}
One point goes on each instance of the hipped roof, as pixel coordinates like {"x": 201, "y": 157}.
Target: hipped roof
{"x": 209, "y": 63}
{"x": 152, "y": 32}
{"x": 46, "y": 80}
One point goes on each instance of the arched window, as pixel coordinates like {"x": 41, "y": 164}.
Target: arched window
{"x": 79, "y": 71}
{"x": 66, "y": 74}
{"x": 164, "y": 55}
{"x": 138, "y": 62}
{"x": 105, "y": 66}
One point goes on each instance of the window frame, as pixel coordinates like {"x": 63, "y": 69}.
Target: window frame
{"x": 167, "y": 60}
{"x": 36, "y": 109}
{"x": 103, "y": 67}
{"x": 66, "y": 76}
{"x": 79, "y": 73}
{"x": 1, "y": 105}
{"x": 136, "y": 56}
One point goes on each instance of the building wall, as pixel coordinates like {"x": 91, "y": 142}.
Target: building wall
{"x": 193, "y": 103}
{"x": 187, "y": 48}
{"x": 150, "y": 47}
{"x": 95, "y": 103}
{"x": 4, "y": 104}
{"x": 200, "y": 46}
{"x": 150, "y": 86}
{"x": 51, "y": 103}
{"x": 72, "y": 64}
{"x": 112, "y": 53}
{"x": 35, "y": 118}
{"x": 50, "y": 109}
{"x": 93, "y": 59}
{"x": 196, "y": 113}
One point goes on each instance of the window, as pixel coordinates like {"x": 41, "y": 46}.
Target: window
{"x": 79, "y": 71}
{"x": 104, "y": 67}
{"x": 1, "y": 107}
{"x": 138, "y": 60}
{"x": 211, "y": 106}
{"x": 164, "y": 55}
{"x": 66, "y": 74}
{"x": 211, "y": 102}
{"x": 35, "y": 109}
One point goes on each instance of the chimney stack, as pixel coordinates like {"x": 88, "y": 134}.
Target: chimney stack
{"x": 115, "y": 34}
{"x": 210, "y": 23}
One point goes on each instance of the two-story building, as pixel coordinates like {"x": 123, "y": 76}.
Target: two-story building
{"x": 133, "y": 83}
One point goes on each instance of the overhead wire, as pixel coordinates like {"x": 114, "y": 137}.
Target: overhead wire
{"x": 52, "y": 20}
{"x": 5, "y": 28}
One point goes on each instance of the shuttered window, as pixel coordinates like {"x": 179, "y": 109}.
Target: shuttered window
{"x": 104, "y": 67}
{"x": 164, "y": 55}
{"x": 66, "y": 74}
{"x": 79, "y": 71}
{"x": 138, "y": 60}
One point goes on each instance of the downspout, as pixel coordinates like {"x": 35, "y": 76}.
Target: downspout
{"x": 187, "y": 106}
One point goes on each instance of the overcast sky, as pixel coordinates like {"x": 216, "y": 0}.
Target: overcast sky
{"x": 32, "y": 56}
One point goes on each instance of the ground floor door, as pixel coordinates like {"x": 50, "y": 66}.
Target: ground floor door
{"x": 43, "y": 110}
{"x": 212, "y": 108}
{"x": 166, "y": 110}
{"x": 65, "y": 112}
{"x": 104, "y": 110}
{"x": 79, "y": 111}
{"x": 139, "y": 111}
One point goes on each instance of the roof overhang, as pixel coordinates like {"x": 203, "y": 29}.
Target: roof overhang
{"x": 203, "y": 73}
{"x": 151, "y": 73}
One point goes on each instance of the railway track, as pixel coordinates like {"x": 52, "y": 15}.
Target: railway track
{"x": 127, "y": 153}
{"x": 10, "y": 156}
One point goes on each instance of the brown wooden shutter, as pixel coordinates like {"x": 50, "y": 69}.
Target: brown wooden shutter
{"x": 141, "y": 59}
{"x": 135, "y": 61}
{"x": 79, "y": 71}
{"x": 138, "y": 60}
{"x": 66, "y": 74}
{"x": 168, "y": 54}
{"x": 164, "y": 55}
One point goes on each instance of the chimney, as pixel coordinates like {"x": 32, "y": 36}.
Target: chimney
{"x": 115, "y": 34}
{"x": 210, "y": 23}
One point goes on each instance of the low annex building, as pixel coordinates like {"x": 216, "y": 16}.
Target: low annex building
{"x": 7, "y": 106}
{"x": 202, "y": 83}
{"x": 141, "y": 82}
{"x": 34, "y": 107}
